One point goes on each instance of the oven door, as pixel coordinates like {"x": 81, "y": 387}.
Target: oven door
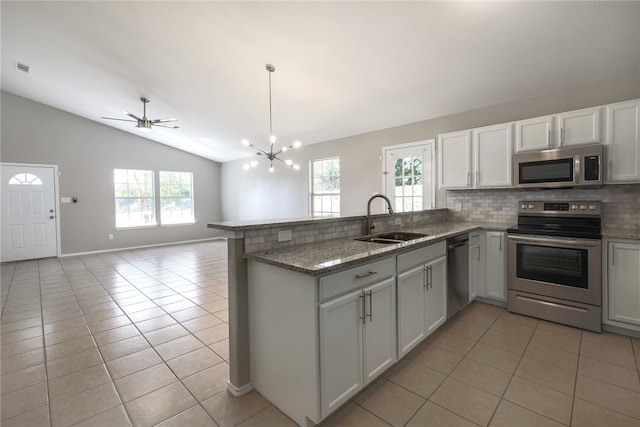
{"x": 564, "y": 268}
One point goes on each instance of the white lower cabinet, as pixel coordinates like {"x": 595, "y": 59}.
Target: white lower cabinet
{"x": 357, "y": 341}
{"x": 623, "y": 284}
{"x": 495, "y": 278}
{"x": 422, "y": 294}
{"x": 476, "y": 266}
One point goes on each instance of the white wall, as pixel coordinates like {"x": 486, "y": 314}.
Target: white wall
{"x": 86, "y": 153}
{"x": 258, "y": 194}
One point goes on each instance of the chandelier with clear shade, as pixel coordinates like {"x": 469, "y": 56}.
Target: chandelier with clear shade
{"x": 271, "y": 155}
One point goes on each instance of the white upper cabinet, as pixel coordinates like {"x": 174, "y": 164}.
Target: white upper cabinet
{"x": 477, "y": 158}
{"x": 534, "y": 134}
{"x": 454, "y": 160}
{"x": 578, "y": 127}
{"x": 492, "y": 153}
{"x": 622, "y": 142}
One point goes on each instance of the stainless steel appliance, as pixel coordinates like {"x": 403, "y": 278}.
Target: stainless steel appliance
{"x": 554, "y": 262}
{"x": 457, "y": 273}
{"x": 562, "y": 167}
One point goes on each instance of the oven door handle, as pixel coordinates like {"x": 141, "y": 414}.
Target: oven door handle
{"x": 555, "y": 241}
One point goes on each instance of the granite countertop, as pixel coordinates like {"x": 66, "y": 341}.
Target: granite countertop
{"x": 333, "y": 255}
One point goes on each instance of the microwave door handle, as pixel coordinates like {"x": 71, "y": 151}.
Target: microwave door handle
{"x": 576, "y": 170}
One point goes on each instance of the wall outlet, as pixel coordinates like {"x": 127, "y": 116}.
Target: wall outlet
{"x": 285, "y": 235}
{"x": 110, "y": 236}
{"x": 416, "y": 218}
{"x": 459, "y": 207}
{"x": 398, "y": 221}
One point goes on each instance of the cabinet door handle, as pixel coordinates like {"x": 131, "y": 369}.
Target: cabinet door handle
{"x": 468, "y": 179}
{"x": 363, "y": 317}
{"x": 613, "y": 256}
{"x": 549, "y": 139}
{"x": 610, "y": 168}
{"x": 362, "y": 276}
{"x": 477, "y": 177}
{"x": 500, "y": 243}
{"x": 561, "y": 136}
{"x": 425, "y": 277}
{"x": 370, "y": 306}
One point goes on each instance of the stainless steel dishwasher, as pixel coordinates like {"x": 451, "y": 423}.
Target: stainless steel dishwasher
{"x": 457, "y": 273}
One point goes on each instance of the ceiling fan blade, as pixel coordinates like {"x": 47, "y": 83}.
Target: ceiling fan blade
{"x": 133, "y": 116}
{"x": 122, "y": 120}
{"x": 163, "y": 126}
{"x": 163, "y": 120}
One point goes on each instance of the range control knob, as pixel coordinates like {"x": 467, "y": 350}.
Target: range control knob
{"x": 531, "y": 206}
{"x": 583, "y": 207}
{"x": 574, "y": 207}
{"x": 523, "y": 206}
{"x": 592, "y": 207}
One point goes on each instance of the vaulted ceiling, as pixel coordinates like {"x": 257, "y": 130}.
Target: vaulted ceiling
{"x": 342, "y": 68}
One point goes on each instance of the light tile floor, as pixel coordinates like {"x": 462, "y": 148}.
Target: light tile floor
{"x": 140, "y": 338}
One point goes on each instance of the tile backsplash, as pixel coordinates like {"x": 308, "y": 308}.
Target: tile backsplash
{"x": 620, "y": 204}
{"x": 266, "y": 238}
{"x": 620, "y": 210}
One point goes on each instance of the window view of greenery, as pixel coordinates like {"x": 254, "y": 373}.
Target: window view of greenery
{"x": 325, "y": 187}
{"x": 135, "y": 206}
{"x": 176, "y": 197}
{"x": 408, "y": 184}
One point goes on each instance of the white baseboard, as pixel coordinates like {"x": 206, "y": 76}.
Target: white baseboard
{"x": 140, "y": 247}
{"x": 239, "y": 391}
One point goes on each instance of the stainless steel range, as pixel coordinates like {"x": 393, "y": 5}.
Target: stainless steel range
{"x": 554, "y": 262}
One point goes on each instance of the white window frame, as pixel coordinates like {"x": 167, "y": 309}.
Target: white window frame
{"x": 161, "y": 197}
{"x": 429, "y": 149}
{"x": 330, "y": 213}
{"x": 153, "y": 222}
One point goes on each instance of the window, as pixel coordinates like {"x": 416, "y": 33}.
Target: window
{"x": 325, "y": 187}
{"x": 408, "y": 175}
{"x": 25, "y": 178}
{"x": 135, "y": 203}
{"x": 176, "y": 197}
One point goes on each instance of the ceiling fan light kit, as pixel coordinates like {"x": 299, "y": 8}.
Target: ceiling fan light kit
{"x": 144, "y": 124}
{"x": 271, "y": 155}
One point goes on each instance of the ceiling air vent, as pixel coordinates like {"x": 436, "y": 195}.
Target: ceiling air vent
{"x": 23, "y": 67}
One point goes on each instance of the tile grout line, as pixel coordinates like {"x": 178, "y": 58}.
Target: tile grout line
{"x": 44, "y": 349}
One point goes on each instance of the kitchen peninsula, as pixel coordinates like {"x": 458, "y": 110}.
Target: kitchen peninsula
{"x": 284, "y": 278}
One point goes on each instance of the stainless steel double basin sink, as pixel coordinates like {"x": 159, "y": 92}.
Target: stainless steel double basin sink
{"x": 391, "y": 238}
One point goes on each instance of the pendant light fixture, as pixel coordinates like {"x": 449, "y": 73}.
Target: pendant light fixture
{"x": 271, "y": 155}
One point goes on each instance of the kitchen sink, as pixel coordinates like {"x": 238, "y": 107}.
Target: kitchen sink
{"x": 391, "y": 238}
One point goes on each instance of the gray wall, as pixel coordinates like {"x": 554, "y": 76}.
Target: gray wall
{"x": 257, "y": 194}
{"x": 86, "y": 153}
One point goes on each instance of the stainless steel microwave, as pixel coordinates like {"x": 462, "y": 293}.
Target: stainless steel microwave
{"x": 562, "y": 167}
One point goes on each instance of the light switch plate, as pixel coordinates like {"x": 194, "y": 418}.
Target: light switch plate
{"x": 459, "y": 206}
{"x": 285, "y": 235}
{"x": 398, "y": 221}
{"x": 65, "y": 199}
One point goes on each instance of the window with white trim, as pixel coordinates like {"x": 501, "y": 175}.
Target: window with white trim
{"x": 134, "y": 196}
{"x": 325, "y": 187}
{"x": 176, "y": 198}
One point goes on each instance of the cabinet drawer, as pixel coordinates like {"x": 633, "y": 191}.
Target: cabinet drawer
{"x": 357, "y": 277}
{"x": 420, "y": 256}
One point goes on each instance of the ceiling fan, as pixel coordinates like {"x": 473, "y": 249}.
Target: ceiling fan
{"x": 145, "y": 124}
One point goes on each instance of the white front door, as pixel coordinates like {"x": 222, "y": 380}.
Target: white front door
{"x": 29, "y": 227}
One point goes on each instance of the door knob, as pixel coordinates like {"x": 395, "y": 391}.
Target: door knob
{"x": 51, "y": 210}
{"x": 51, "y": 217}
